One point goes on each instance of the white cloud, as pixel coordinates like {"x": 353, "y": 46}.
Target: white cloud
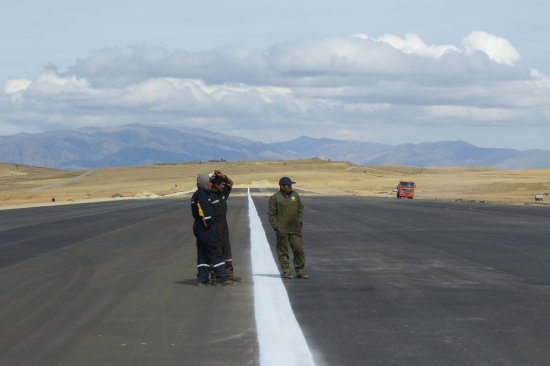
{"x": 360, "y": 36}
{"x": 17, "y": 85}
{"x": 412, "y": 44}
{"x": 497, "y": 48}
{"x": 165, "y": 94}
{"x": 468, "y": 113}
{"x": 335, "y": 56}
{"x": 50, "y": 87}
{"x": 323, "y": 87}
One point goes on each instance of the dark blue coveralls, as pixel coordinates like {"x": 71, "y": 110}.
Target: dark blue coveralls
{"x": 204, "y": 228}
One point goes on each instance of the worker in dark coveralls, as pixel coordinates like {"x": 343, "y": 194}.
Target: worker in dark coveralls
{"x": 221, "y": 188}
{"x": 286, "y": 216}
{"x": 204, "y": 228}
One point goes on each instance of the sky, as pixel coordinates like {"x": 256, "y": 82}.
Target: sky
{"x": 391, "y": 71}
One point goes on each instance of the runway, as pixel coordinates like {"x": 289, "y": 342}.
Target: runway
{"x": 392, "y": 282}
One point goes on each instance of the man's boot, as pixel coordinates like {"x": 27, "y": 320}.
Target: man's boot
{"x": 227, "y": 282}
{"x": 235, "y": 278}
{"x": 232, "y": 276}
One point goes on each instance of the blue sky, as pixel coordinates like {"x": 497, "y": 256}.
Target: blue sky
{"x": 390, "y": 72}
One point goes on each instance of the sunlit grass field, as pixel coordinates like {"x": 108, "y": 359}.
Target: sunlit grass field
{"x": 24, "y": 185}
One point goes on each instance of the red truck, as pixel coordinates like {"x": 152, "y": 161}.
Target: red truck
{"x": 405, "y": 188}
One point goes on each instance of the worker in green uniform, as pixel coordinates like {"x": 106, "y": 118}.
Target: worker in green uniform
{"x": 286, "y": 216}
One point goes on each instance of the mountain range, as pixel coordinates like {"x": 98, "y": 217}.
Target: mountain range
{"x": 95, "y": 147}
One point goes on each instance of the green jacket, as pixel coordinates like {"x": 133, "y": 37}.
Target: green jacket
{"x": 286, "y": 214}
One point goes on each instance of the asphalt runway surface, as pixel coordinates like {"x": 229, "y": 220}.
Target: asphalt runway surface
{"x": 392, "y": 282}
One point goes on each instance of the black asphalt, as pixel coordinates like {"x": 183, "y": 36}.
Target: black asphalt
{"x": 411, "y": 282}
{"x": 114, "y": 284}
{"x": 392, "y": 282}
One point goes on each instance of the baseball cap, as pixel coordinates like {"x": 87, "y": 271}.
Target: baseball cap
{"x": 286, "y": 181}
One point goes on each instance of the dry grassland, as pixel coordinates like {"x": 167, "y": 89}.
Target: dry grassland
{"x": 21, "y": 186}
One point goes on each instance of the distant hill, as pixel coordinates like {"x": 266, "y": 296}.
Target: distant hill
{"x": 427, "y": 154}
{"x": 94, "y": 147}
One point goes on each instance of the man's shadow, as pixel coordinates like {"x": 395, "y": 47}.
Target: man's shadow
{"x": 190, "y": 282}
{"x": 272, "y": 275}
{"x": 193, "y": 282}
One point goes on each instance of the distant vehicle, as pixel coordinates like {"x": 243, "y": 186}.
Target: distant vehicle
{"x": 405, "y": 188}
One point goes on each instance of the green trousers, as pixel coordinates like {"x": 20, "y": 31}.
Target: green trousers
{"x": 297, "y": 246}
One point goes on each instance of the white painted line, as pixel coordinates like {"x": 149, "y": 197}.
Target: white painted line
{"x": 280, "y": 337}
